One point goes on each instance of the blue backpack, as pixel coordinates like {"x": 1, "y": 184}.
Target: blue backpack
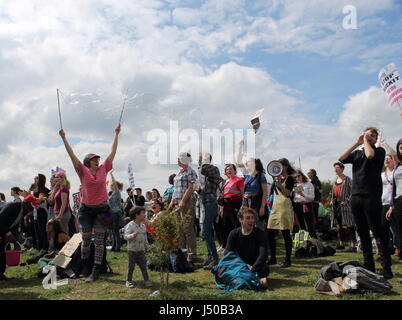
{"x": 231, "y": 273}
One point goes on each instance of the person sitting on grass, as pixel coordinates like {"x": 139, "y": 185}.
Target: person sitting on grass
{"x": 250, "y": 244}
{"x": 137, "y": 245}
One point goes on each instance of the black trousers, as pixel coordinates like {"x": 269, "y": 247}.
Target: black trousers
{"x": 305, "y": 219}
{"x": 272, "y": 243}
{"x": 397, "y": 215}
{"x": 229, "y": 220}
{"x": 43, "y": 243}
{"x": 367, "y": 213}
{"x": 2, "y": 256}
{"x": 262, "y": 271}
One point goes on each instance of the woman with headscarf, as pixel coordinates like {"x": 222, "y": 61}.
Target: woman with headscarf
{"x": 94, "y": 214}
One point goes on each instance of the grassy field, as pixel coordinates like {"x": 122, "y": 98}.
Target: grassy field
{"x": 296, "y": 283}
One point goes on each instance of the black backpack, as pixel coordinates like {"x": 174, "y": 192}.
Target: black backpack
{"x": 178, "y": 262}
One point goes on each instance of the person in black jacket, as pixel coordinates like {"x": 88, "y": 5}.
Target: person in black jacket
{"x": 11, "y": 214}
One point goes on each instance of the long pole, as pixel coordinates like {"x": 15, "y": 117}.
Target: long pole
{"x": 124, "y": 104}
{"x": 58, "y": 103}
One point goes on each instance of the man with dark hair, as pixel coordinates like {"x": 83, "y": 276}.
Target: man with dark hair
{"x": 139, "y": 198}
{"x": 11, "y": 214}
{"x": 129, "y": 203}
{"x": 167, "y": 195}
{"x": 209, "y": 178}
{"x": 250, "y": 243}
{"x": 367, "y": 164}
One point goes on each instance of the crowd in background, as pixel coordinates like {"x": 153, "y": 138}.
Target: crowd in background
{"x": 241, "y": 211}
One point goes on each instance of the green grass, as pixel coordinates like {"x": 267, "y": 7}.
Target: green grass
{"x": 296, "y": 282}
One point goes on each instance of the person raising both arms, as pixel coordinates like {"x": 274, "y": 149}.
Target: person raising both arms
{"x": 367, "y": 164}
{"x": 94, "y": 206}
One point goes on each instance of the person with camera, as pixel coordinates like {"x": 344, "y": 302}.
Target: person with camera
{"x": 94, "y": 214}
{"x": 303, "y": 203}
{"x": 209, "y": 177}
{"x": 367, "y": 164}
{"x": 282, "y": 214}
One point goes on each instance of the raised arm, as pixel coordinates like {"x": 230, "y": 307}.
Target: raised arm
{"x": 70, "y": 151}
{"x": 115, "y": 142}
{"x": 389, "y": 150}
{"x": 239, "y": 155}
{"x": 368, "y": 149}
{"x": 349, "y": 150}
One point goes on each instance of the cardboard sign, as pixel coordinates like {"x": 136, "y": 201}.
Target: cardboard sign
{"x": 64, "y": 257}
{"x": 131, "y": 175}
{"x": 255, "y": 120}
{"x": 391, "y": 83}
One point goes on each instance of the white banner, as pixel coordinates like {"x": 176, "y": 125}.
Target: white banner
{"x": 391, "y": 83}
{"x": 131, "y": 175}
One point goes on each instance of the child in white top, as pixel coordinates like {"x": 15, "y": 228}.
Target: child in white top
{"x": 137, "y": 245}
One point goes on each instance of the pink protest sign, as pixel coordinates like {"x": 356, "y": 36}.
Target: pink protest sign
{"x": 391, "y": 83}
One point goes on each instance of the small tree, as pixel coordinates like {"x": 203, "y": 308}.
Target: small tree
{"x": 166, "y": 230}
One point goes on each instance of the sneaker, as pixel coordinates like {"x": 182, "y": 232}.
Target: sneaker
{"x": 148, "y": 283}
{"x": 129, "y": 284}
{"x": 352, "y": 250}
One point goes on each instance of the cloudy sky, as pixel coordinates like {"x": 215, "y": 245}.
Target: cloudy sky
{"x": 205, "y": 64}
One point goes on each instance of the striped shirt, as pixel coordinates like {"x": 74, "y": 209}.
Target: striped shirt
{"x": 93, "y": 187}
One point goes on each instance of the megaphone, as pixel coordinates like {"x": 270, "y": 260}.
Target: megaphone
{"x": 275, "y": 168}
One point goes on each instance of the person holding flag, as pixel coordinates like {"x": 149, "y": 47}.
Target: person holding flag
{"x": 94, "y": 212}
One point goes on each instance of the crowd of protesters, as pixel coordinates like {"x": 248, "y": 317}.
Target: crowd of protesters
{"x": 245, "y": 213}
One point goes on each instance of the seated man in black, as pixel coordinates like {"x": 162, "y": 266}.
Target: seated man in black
{"x": 250, "y": 244}
{"x": 11, "y": 214}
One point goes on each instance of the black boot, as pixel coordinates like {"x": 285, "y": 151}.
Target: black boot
{"x": 85, "y": 271}
{"x": 369, "y": 262}
{"x": 286, "y": 263}
{"x": 94, "y": 275}
{"x": 386, "y": 273}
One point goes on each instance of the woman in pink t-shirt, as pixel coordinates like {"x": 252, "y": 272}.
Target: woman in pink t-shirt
{"x": 233, "y": 191}
{"x": 94, "y": 211}
{"x": 61, "y": 196}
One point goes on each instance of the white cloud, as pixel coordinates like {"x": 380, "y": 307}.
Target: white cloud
{"x": 110, "y": 45}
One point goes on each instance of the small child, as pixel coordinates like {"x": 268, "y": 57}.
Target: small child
{"x": 137, "y": 245}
